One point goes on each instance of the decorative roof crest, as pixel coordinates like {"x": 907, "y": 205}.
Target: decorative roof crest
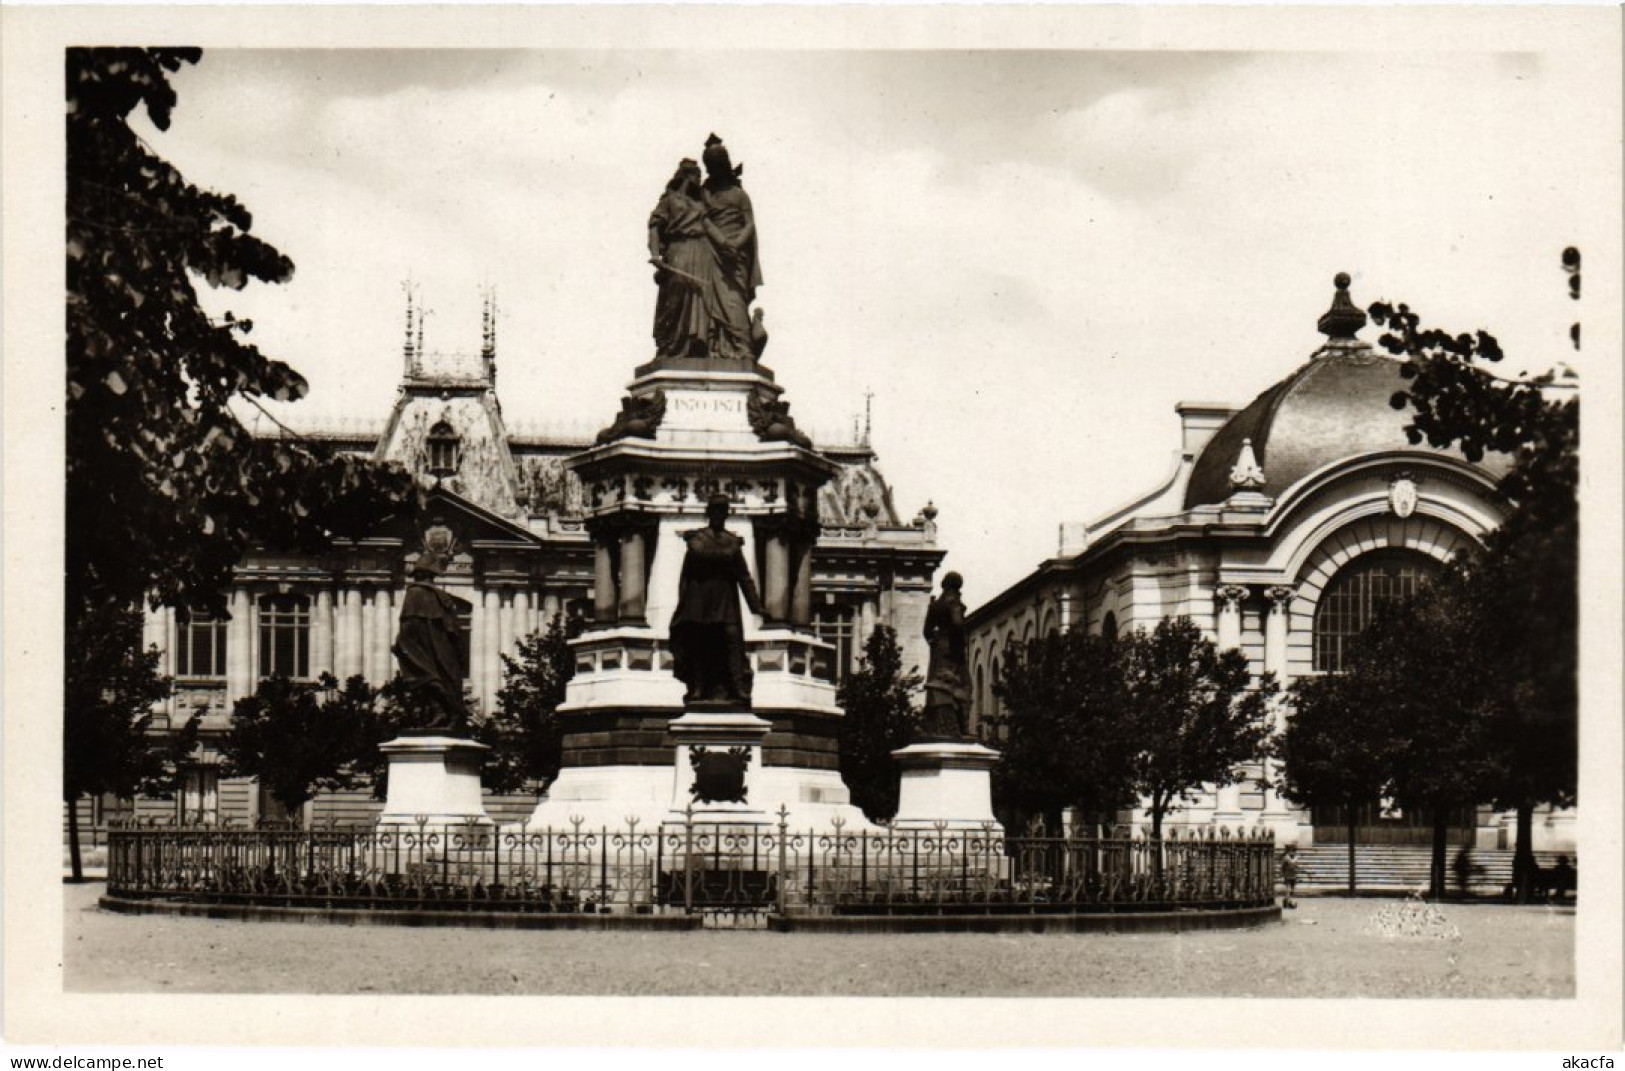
{"x": 1246, "y": 474}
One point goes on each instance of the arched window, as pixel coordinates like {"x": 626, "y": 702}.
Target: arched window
{"x": 285, "y": 636}
{"x": 1358, "y": 593}
{"x": 445, "y": 450}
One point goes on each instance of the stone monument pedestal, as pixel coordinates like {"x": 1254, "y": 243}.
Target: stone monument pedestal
{"x": 435, "y": 778}
{"x": 719, "y": 760}
{"x": 946, "y": 783}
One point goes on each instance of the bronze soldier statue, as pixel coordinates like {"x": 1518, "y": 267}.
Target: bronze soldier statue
{"x": 707, "y": 631}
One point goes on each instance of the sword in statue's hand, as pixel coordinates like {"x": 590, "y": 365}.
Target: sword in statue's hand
{"x": 684, "y": 277}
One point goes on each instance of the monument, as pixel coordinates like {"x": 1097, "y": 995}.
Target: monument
{"x": 701, "y": 691}
{"x": 434, "y": 768}
{"x": 946, "y": 772}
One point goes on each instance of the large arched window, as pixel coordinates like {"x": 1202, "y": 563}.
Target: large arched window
{"x": 1358, "y": 593}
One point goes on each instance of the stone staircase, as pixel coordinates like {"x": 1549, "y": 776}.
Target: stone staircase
{"x": 1404, "y": 867}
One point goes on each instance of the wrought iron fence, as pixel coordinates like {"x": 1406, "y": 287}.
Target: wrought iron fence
{"x": 689, "y": 866}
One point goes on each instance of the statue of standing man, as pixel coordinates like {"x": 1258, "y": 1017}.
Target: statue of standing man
{"x": 426, "y": 648}
{"x": 707, "y": 630}
{"x": 947, "y": 695}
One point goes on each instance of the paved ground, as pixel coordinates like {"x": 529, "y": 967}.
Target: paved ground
{"x": 1326, "y": 948}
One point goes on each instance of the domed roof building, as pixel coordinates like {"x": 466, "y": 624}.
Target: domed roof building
{"x": 1285, "y": 525}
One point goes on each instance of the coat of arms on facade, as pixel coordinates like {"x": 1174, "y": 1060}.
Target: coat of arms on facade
{"x": 1402, "y": 496}
{"x": 719, "y": 776}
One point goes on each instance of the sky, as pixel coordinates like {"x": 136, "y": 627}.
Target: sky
{"x": 1029, "y": 258}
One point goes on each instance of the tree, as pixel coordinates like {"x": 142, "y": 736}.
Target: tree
{"x": 301, "y": 737}
{"x": 1338, "y": 748}
{"x": 165, "y": 487}
{"x": 1523, "y": 585}
{"x": 1064, "y": 744}
{"x": 110, "y": 689}
{"x": 878, "y": 700}
{"x": 1192, "y": 714}
{"x": 523, "y": 733}
{"x": 1421, "y": 664}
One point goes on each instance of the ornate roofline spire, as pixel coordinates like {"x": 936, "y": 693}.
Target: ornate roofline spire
{"x": 488, "y": 333}
{"x": 1343, "y": 320}
{"x": 408, "y": 350}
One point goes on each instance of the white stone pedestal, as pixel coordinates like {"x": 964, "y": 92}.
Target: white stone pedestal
{"x": 947, "y": 784}
{"x": 709, "y": 748}
{"x": 436, "y": 779}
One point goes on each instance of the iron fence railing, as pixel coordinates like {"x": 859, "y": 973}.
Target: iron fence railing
{"x": 689, "y": 866}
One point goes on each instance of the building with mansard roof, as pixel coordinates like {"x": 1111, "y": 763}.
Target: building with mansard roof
{"x": 1282, "y": 527}
{"x": 523, "y": 554}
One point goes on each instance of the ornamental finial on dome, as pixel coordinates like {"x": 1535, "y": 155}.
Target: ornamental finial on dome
{"x": 1246, "y": 474}
{"x": 1344, "y": 319}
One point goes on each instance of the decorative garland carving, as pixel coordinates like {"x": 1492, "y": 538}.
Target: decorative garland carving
{"x": 719, "y": 776}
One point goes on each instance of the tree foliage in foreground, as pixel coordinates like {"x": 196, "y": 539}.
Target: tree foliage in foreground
{"x": 298, "y": 738}
{"x": 878, "y": 700}
{"x": 165, "y": 487}
{"x": 1522, "y": 587}
{"x": 1062, "y": 742}
{"x": 522, "y": 732}
{"x": 1155, "y": 716}
{"x": 110, "y": 688}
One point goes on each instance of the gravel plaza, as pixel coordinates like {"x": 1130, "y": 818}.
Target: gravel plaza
{"x": 1327, "y": 948}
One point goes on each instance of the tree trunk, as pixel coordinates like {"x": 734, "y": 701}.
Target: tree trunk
{"x": 73, "y": 840}
{"x": 1156, "y": 847}
{"x": 1523, "y": 854}
{"x": 1436, "y": 875}
{"x": 1351, "y": 813}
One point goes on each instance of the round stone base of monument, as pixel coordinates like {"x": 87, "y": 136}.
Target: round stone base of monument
{"x": 434, "y": 781}
{"x": 946, "y": 784}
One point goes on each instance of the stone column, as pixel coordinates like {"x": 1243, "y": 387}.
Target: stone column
{"x": 480, "y": 636}
{"x": 505, "y": 629}
{"x": 801, "y": 594}
{"x": 384, "y": 658}
{"x": 1276, "y": 623}
{"x": 239, "y": 647}
{"x": 867, "y": 614}
{"x": 368, "y": 636}
{"x": 321, "y": 634}
{"x": 603, "y": 586}
{"x": 633, "y": 578}
{"x": 490, "y": 671}
{"x": 551, "y": 606}
{"x": 1230, "y": 596}
{"x": 351, "y": 664}
{"x": 776, "y": 578}
{"x": 524, "y": 615}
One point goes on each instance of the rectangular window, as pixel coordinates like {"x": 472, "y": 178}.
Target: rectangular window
{"x": 285, "y": 636}
{"x": 200, "y": 645}
{"x": 834, "y": 625}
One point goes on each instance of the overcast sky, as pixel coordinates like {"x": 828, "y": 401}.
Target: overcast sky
{"x": 1029, "y": 258}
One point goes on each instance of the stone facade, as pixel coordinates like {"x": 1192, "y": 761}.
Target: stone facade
{"x": 519, "y": 514}
{"x": 1272, "y": 516}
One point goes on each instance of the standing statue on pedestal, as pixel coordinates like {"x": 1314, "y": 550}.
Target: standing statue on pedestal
{"x": 426, "y": 648}
{"x": 702, "y": 243}
{"x": 947, "y": 696}
{"x": 707, "y": 630}
{"x": 730, "y": 223}
{"x": 685, "y": 268}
